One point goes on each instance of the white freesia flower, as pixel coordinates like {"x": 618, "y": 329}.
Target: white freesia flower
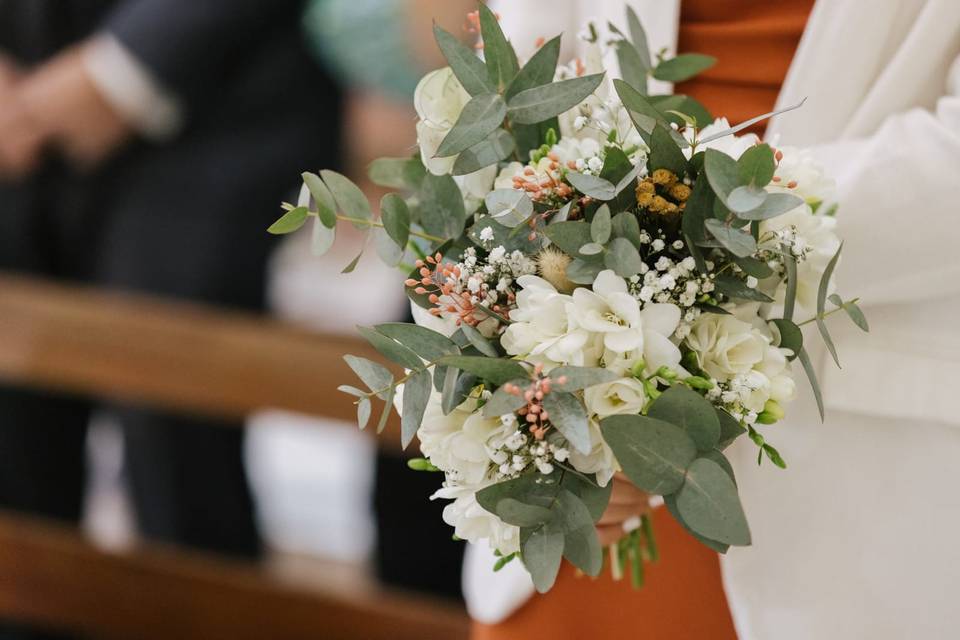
{"x": 609, "y": 310}
{"x": 798, "y": 167}
{"x": 725, "y": 345}
{"x": 458, "y": 443}
{"x": 439, "y": 99}
{"x": 625, "y": 395}
{"x": 472, "y": 522}
{"x": 540, "y": 330}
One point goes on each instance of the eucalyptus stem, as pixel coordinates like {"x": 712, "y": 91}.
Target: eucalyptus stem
{"x": 374, "y": 223}
{"x": 827, "y": 314}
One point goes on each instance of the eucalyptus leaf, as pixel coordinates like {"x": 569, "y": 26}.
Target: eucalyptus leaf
{"x": 625, "y": 225}
{"x": 540, "y": 103}
{"x": 391, "y": 349}
{"x": 509, "y": 207}
{"x": 699, "y": 208}
{"x": 583, "y": 272}
{"x": 416, "y": 394}
{"x": 441, "y": 206}
{"x": 396, "y": 218}
{"x": 568, "y": 415}
{"x": 632, "y": 66}
{"x": 756, "y": 166}
{"x": 638, "y": 35}
{"x": 495, "y": 147}
{"x": 856, "y": 315}
{"x": 623, "y": 258}
{"x": 426, "y": 343}
{"x": 593, "y": 186}
{"x": 349, "y": 197}
{"x": 569, "y": 236}
{"x": 600, "y": 225}
{"x": 722, "y": 173}
{"x": 387, "y": 406}
{"x": 289, "y": 221}
{"x": 790, "y": 336}
{"x": 822, "y": 302}
{"x": 495, "y": 370}
{"x": 683, "y": 67}
{"x": 542, "y": 552}
{"x": 709, "y": 504}
{"x": 790, "y": 297}
{"x": 501, "y": 402}
{"x": 350, "y": 265}
{"x": 482, "y": 345}
{"x": 734, "y": 287}
{"x": 665, "y": 153}
{"x": 500, "y": 57}
{"x": 754, "y": 267}
{"x": 730, "y": 429}
{"x": 480, "y": 117}
{"x": 654, "y": 454}
{"x": 375, "y": 376}
{"x": 773, "y": 205}
{"x": 749, "y": 123}
{"x": 737, "y": 242}
{"x": 326, "y": 207}
{"x": 688, "y": 410}
{"x": 388, "y": 250}
{"x": 579, "y": 378}
{"x": 591, "y": 249}
{"x": 539, "y": 70}
{"x": 812, "y": 377}
{"x": 581, "y": 545}
{"x": 745, "y": 198}
{"x": 469, "y": 69}
{"x": 671, "y": 504}
{"x": 364, "y": 410}
{"x": 397, "y": 173}
{"x": 520, "y": 514}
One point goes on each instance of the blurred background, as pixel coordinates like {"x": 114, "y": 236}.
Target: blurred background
{"x": 174, "y": 458}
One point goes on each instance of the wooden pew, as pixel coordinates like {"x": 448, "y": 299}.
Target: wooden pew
{"x": 205, "y": 361}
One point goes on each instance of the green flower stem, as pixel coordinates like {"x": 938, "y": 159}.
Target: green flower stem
{"x": 646, "y": 525}
{"x": 821, "y": 316}
{"x": 374, "y": 223}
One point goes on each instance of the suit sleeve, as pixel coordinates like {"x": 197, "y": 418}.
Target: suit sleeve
{"x": 186, "y": 44}
{"x": 898, "y": 195}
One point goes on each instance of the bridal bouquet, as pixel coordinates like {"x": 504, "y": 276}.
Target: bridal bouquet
{"x": 603, "y": 280}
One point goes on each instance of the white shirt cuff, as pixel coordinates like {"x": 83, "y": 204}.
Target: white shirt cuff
{"x": 131, "y": 88}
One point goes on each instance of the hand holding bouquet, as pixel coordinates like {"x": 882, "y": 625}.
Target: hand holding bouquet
{"x": 605, "y": 282}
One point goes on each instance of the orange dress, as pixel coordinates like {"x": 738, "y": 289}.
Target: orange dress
{"x": 682, "y": 599}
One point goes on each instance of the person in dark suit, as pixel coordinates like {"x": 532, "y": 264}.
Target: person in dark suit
{"x": 145, "y": 146}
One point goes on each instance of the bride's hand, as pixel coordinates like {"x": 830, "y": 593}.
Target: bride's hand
{"x": 626, "y": 502}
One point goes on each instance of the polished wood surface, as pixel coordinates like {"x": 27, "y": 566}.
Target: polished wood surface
{"x": 170, "y": 354}
{"x": 49, "y": 575}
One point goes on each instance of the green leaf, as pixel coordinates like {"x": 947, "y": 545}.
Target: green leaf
{"x": 416, "y": 394}
{"x": 632, "y": 66}
{"x": 790, "y": 336}
{"x": 593, "y": 186}
{"x": 541, "y": 103}
{"x": 569, "y": 236}
{"x": 501, "y": 59}
{"x": 581, "y": 545}
{"x": 520, "y": 514}
{"x": 699, "y": 208}
{"x": 397, "y": 173}
{"x": 591, "y": 249}
{"x": 590, "y": 493}
{"x": 321, "y": 238}
{"x": 773, "y": 205}
{"x": 509, "y": 207}
{"x": 623, "y": 258}
{"x": 568, "y": 415}
{"x": 364, "y": 409}
{"x": 722, "y": 462}
{"x": 441, "y": 206}
{"x": 774, "y": 456}
{"x": 737, "y": 242}
{"x": 388, "y": 250}
{"x": 350, "y": 265}
{"x": 600, "y": 225}
{"x": 722, "y": 173}
{"x": 749, "y": 123}
{"x": 643, "y": 113}
{"x": 583, "y": 272}
{"x": 730, "y": 429}
{"x": 541, "y": 552}
{"x": 396, "y": 218}
{"x": 482, "y": 345}
{"x": 289, "y": 222}
{"x": 856, "y": 315}
{"x": 709, "y": 504}
{"x": 685, "y": 105}
{"x": 756, "y": 165}
{"x": 501, "y": 402}
{"x": 349, "y": 197}
{"x": 456, "y": 387}
{"x": 625, "y": 225}
{"x": 479, "y": 118}
{"x": 387, "y": 406}
{"x": 664, "y": 152}
{"x": 326, "y": 207}
{"x": 683, "y": 67}
{"x": 754, "y": 267}
{"x": 495, "y": 370}
{"x": 390, "y": 348}
{"x": 812, "y": 377}
{"x": 822, "y": 303}
{"x": 375, "y": 376}
{"x": 579, "y": 378}
{"x": 671, "y": 504}
{"x": 654, "y": 454}
{"x": 734, "y": 287}
{"x": 469, "y": 69}
{"x": 638, "y": 35}
{"x": 688, "y": 410}
{"x": 745, "y": 198}
{"x": 492, "y": 149}
{"x": 790, "y": 297}
{"x": 426, "y": 343}
{"x": 539, "y": 70}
